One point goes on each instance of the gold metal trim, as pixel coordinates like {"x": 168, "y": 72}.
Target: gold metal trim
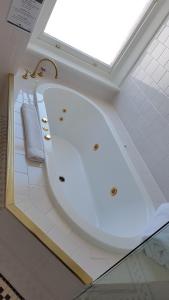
{"x": 10, "y": 204}
{"x": 34, "y": 73}
{"x": 45, "y": 128}
{"x": 10, "y": 143}
{"x": 26, "y": 74}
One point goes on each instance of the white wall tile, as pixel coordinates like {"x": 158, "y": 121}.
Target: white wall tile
{"x": 37, "y": 175}
{"x": 20, "y": 163}
{"x": 21, "y": 198}
{"x": 152, "y": 67}
{"x": 164, "y": 34}
{"x": 167, "y": 91}
{"x": 21, "y": 184}
{"x": 158, "y": 73}
{"x": 19, "y": 131}
{"x": 23, "y": 202}
{"x": 35, "y": 215}
{"x": 161, "y": 29}
{"x": 19, "y": 146}
{"x": 164, "y": 57}
{"x": 17, "y": 106}
{"x": 152, "y": 46}
{"x": 145, "y": 61}
{"x": 140, "y": 74}
{"x": 164, "y": 81}
{"x": 148, "y": 124}
{"x": 161, "y": 173}
{"x": 167, "y": 42}
{"x": 54, "y": 216}
{"x": 62, "y": 238}
{"x": 158, "y": 50}
{"x": 40, "y": 198}
{"x": 18, "y": 94}
{"x": 10, "y": 57}
{"x": 17, "y": 118}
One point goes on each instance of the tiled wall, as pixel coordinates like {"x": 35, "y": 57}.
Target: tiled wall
{"x": 143, "y": 106}
{"x": 13, "y": 45}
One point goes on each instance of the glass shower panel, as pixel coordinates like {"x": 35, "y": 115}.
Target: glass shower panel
{"x": 142, "y": 275}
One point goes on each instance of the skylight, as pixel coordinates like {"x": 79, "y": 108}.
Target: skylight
{"x": 98, "y": 28}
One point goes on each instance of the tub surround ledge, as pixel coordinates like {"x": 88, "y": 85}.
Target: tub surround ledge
{"x": 87, "y": 260}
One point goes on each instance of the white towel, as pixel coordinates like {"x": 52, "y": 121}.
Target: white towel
{"x": 157, "y": 247}
{"x": 32, "y": 132}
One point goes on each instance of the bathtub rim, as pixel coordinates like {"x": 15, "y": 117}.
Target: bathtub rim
{"x": 100, "y": 237}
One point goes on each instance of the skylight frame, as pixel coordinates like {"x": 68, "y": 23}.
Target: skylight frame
{"x": 82, "y": 56}
{"x": 71, "y": 51}
{"x": 43, "y": 46}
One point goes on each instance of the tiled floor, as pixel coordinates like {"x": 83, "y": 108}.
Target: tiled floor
{"x": 7, "y": 292}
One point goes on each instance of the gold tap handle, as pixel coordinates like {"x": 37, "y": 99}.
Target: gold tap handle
{"x": 26, "y": 75}
{"x": 42, "y": 71}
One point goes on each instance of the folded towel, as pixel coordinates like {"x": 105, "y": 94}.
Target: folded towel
{"x": 157, "y": 247}
{"x": 32, "y": 132}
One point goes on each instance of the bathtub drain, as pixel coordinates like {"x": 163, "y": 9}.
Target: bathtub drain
{"x": 61, "y": 178}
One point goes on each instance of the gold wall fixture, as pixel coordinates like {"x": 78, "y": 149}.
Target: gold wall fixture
{"x": 45, "y": 128}
{"x": 44, "y": 120}
{"x": 35, "y": 73}
{"x": 113, "y": 191}
{"x": 26, "y": 74}
{"x": 47, "y": 137}
{"x": 61, "y": 119}
{"x": 10, "y": 200}
{"x": 42, "y": 71}
{"x": 96, "y": 147}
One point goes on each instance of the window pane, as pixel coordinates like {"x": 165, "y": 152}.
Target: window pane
{"x": 97, "y": 28}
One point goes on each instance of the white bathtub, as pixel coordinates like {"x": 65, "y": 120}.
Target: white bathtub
{"x": 81, "y": 178}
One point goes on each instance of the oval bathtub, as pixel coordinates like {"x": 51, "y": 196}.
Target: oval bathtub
{"x": 90, "y": 175}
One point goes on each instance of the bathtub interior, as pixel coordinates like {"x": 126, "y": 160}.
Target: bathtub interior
{"x": 76, "y": 125}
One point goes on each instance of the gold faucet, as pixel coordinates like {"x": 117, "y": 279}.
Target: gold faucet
{"x": 34, "y": 74}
